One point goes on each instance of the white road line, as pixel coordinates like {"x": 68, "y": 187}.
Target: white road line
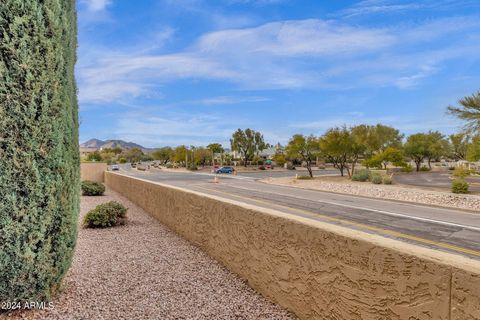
{"x": 225, "y": 176}
{"x": 394, "y": 214}
{"x": 398, "y": 202}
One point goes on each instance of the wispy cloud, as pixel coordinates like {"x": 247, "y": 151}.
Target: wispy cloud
{"x": 174, "y": 129}
{"x": 406, "y": 124}
{"x": 376, "y": 7}
{"x": 287, "y": 55}
{"x": 372, "y": 7}
{"x": 257, "y": 2}
{"x": 296, "y": 38}
{"x": 224, "y": 100}
{"x": 96, "y": 5}
{"x": 136, "y": 74}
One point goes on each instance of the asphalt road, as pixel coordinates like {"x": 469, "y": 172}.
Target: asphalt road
{"x": 434, "y": 180}
{"x": 438, "y": 228}
{"x": 257, "y": 175}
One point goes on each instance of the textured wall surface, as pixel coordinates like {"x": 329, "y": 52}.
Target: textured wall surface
{"x": 93, "y": 171}
{"x": 316, "y": 270}
{"x": 465, "y": 295}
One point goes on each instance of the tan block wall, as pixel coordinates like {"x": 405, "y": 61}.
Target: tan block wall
{"x": 316, "y": 270}
{"x": 93, "y": 171}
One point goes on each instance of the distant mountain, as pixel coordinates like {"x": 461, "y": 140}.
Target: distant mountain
{"x": 96, "y": 143}
{"x": 92, "y": 143}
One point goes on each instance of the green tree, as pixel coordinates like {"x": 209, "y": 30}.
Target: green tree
{"x": 216, "y": 148}
{"x": 387, "y": 137}
{"x": 417, "y": 148}
{"x": 359, "y": 137}
{"x": 248, "y": 143}
{"x": 164, "y": 154}
{"x": 180, "y": 154}
{"x": 376, "y": 140}
{"x": 39, "y": 157}
{"x": 469, "y": 111}
{"x": 108, "y": 157}
{"x": 134, "y": 155}
{"x": 202, "y": 156}
{"x": 336, "y": 146}
{"x": 438, "y": 146}
{"x": 94, "y": 156}
{"x": 473, "y": 150}
{"x": 115, "y": 151}
{"x": 279, "y": 158}
{"x": 305, "y": 148}
{"x": 459, "y": 143}
{"x": 382, "y": 159}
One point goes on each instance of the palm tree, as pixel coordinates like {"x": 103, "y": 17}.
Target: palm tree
{"x": 468, "y": 111}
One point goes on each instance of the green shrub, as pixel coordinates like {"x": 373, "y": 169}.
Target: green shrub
{"x": 304, "y": 178}
{"x": 261, "y": 168}
{"x": 376, "y": 179}
{"x": 169, "y": 166}
{"x": 407, "y": 168}
{"x": 387, "y": 180}
{"x": 39, "y": 157}
{"x": 460, "y": 172}
{"x": 92, "y": 188}
{"x": 106, "y": 215}
{"x": 361, "y": 175}
{"x": 122, "y": 160}
{"x": 424, "y": 168}
{"x": 192, "y": 168}
{"x": 459, "y": 186}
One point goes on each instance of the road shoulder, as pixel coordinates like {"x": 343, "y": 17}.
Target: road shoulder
{"x": 467, "y": 202}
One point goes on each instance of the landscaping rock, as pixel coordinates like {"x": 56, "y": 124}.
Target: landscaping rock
{"x": 392, "y": 192}
{"x": 142, "y": 270}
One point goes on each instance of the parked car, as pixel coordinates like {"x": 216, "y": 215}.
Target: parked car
{"x": 225, "y": 170}
{"x": 115, "y": 167}
{"x": 134, "y": 165}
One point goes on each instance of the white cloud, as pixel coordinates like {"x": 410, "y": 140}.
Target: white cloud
{"x": 174, "y": 129}
{"x": 257, "y": 2}
{"x": 132, "y": 74}
{"x": 96, "y": 5}
{"x": 372, "y": 7}
{"x": 223, "y": 100}
{"x": 296, "y": 38}
{"x": 290, "y": 54}
{"x": 406, "y": 124}
{"x": 379, "y": 7}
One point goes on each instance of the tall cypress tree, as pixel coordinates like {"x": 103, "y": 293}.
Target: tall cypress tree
{"x": 39, "y": 157}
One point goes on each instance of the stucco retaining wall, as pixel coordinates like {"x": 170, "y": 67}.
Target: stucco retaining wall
{"x": 92, "y": 171}
{"x": 315, "y": 269}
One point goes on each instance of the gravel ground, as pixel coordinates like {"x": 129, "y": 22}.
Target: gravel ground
{"x": 393, "y": 192}
{"x": 142, "y": 270}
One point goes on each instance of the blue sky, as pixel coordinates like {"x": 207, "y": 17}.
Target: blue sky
{"x": 169, "y": 72}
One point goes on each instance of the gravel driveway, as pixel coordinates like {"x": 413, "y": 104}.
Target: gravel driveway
{"x": 142, "y": 270}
